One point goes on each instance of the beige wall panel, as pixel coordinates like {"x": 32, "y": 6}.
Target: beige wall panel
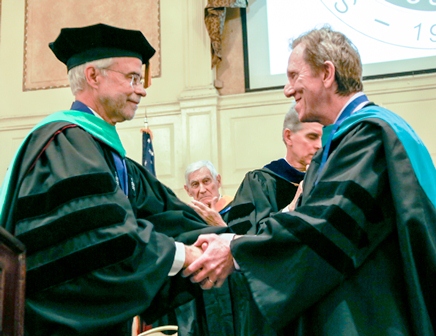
{"x": 414, "y": 99}
{"x": 417, "y": 115}
{"x": 199, "y": 140}
{"x": 250, "y": 133}
{"x": 12, "y": 133}
{"x": 196, "y": 48}
{"x": 253, "y": 140}
{"x": 169, "y": 157}
{"x": 13, "y": 140}
{"x": 130, "y": 136}
{"x": 257, "y": 137}
{"x": 168, "y": 151}
{"x": 164, "y": 141}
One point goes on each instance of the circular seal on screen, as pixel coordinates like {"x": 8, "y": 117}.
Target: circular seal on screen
{"x": 406, "y": 23}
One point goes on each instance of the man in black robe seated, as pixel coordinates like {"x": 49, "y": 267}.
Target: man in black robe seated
{"x": 357, "y": 256}
{"x": 104, "y": 237}
{"x": 272, "y": 188}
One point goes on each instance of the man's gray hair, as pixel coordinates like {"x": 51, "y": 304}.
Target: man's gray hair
{"x": 325, "y": 44}
{"x": 292, "y": 121}
{"x": 76, "y": 75}
{"x": 193, "y": 167}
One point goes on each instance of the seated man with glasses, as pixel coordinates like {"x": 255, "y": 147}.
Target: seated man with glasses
{"x": 105, "y": 239}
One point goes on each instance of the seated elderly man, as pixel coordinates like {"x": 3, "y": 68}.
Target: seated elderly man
{"x": 203, "y": 184}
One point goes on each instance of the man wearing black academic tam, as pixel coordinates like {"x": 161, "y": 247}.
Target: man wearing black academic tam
{"x": 105, "y": 239}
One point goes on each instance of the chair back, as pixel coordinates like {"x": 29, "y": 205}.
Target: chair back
{"x": 12, "y": 282}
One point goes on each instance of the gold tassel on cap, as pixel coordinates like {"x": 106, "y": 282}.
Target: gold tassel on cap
{"x": 147, "y": 75}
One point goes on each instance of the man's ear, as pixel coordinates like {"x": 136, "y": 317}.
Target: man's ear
{"x": 91, "y": 75}
{"x": 187, "y": 189}
{"x": 287, "y": 133}
{"x": 329, "y": 74}
{"x": 218, "y": 178}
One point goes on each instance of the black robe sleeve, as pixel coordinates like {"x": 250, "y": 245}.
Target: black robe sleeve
{"x": 260, "y": 194}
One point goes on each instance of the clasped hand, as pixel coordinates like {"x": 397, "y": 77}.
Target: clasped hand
{"x": 209, "y": 214}
{"x": 215, "y": 264}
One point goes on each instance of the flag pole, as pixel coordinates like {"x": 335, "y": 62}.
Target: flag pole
{"x": 146, "y": 129}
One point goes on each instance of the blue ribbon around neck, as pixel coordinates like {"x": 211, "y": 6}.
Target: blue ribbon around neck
{"x": 349, "y": 109}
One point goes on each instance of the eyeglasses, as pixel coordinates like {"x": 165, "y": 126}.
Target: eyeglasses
{"x": 135, "y": 79}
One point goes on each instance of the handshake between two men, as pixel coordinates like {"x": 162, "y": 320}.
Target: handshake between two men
{"x": 209, "y": 260}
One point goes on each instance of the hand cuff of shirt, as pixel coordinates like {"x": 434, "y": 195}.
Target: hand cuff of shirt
{"x": 285, "y": 209}
{"x": 179, "y": 259}
{"x": 229, "y": 237}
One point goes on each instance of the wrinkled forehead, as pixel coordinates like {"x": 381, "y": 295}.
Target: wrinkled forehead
{"x": 297, "y": 63}
{"x": 312, "y": 126}
{"x": 200, "y": 175}
{"x": 127, "y": 61}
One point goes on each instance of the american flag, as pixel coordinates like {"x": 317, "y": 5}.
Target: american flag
{"x": 147, "y": 152}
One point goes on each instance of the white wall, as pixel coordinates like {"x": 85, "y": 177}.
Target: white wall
{"x": 190, "y": 121}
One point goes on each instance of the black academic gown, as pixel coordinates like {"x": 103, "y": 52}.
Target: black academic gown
{"x": 95, "y": 258}
{"x": 358, "y": 256}
{"x": 262, "y": 192}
